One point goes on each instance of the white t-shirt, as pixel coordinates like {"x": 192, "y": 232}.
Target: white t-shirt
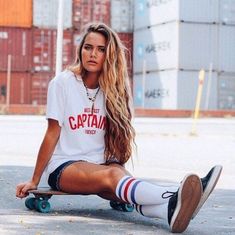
{"x": 82, "y": 133}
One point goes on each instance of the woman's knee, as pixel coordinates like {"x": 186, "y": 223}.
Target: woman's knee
{"x": 113, "y": 175}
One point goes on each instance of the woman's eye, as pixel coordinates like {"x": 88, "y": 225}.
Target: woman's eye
{"x": 87, "y": 47}
{"x": 101, "y": 49}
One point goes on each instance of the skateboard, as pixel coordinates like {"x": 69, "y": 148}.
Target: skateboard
{"x": 40, "y": 201}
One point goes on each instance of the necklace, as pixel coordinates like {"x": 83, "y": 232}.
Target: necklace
{"x": 91, "y": 98}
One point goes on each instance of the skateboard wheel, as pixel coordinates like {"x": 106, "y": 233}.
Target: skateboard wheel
{"x": 121, "y": 206}
{"x": 42, "y": 206}
{"x": 127, "y": 207}
{"x": 30, "y": 203}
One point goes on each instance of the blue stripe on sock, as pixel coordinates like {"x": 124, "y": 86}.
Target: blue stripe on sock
{"x": 120, "y": 188}
{"x": 133, "y": 192}
{"x": 140, "y": 210}
{"x": 137, "y": 207}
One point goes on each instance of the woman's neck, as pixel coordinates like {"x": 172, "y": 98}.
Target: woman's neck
{"x": 91, "y": 80}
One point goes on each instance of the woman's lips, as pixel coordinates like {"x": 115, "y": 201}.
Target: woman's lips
{"x": 92, "y": 62}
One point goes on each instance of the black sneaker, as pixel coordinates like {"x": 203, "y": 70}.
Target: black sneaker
{"x": 183, "y": 203}
{"x": 208, "y": 184}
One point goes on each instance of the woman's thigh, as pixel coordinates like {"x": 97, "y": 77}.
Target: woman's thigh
{"x": 89, "y": 178}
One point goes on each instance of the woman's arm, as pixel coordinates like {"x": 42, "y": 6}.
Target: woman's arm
{"x": 45, "y": 152}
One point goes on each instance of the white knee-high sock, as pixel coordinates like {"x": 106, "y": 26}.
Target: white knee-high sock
{"x": 153, "y": 211}
{"x": 140, "y": 192}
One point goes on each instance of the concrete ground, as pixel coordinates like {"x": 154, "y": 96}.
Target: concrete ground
{"x": 166, "y": 152}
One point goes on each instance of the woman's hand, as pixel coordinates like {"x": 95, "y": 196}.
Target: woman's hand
{"x": 23, "y": 188}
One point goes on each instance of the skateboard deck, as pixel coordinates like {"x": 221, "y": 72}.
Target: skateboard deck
{"x": 40, "y": 201}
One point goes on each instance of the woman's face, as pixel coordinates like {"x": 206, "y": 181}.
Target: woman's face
{"x": 93, "y": 52}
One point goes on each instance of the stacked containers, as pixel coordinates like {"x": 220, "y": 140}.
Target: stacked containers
{"x": 122, "y": 23}
{"x": 44, "y": 32}
{"x": 28, "y": 34}
{"x": 15, "y": 44}
{"x": 173, "y": 40}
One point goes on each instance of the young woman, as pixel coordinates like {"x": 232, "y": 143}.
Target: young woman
{"x": 90, "y": 137}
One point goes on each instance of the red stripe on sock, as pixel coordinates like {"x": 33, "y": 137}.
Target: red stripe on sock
{"x": 126, "y": 189}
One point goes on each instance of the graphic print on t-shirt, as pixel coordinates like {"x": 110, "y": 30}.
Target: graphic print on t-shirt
{"x": 87, "y": 121}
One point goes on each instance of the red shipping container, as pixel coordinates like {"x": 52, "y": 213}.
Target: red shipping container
{"x": 39, "y": 86}
{"x": 86, "y": 11}
{"x": 44, "y": 49}
{"x": 16, "y": 42}
{"x": 19, "y": 87}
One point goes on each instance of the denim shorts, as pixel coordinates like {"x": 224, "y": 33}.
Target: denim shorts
{"x": 54, "y": 177}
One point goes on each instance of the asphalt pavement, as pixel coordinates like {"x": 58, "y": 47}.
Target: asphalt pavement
{"x": 166, "y": 151}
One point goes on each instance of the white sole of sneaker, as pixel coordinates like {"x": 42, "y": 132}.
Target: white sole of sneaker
{"x": 209, "y": 188}
{"x": 189, "y": 196}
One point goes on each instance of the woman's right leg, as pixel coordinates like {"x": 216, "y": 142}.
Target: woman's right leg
{"x": 88, "y": 178}
{"x": 114, "y": 184}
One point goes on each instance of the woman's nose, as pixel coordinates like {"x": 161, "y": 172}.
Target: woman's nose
{"x": 94, "y": 53}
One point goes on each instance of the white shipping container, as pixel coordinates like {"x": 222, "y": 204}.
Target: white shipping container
{"x": 122, "y": 15}
{"x": 227, "y": 48}
{"x": 227, "y": 11}
{"x": 45, "y": 13}
{"x": 176, "y": 46}
{"x": 149, "y": 12}
{"x": 226, "y": 91}
{"x": 173, "y": 89}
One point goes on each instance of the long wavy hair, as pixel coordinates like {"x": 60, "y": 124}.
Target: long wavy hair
{"x": 114, "y": 82}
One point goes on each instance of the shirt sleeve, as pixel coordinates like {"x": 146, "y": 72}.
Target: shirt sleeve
{"x": 55, "y": 101}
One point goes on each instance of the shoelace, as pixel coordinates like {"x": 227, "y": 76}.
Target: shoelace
{"x": 171, "y": 194}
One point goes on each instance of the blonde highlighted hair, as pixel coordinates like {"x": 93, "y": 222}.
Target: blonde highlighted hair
{"x": 114, "y": 82}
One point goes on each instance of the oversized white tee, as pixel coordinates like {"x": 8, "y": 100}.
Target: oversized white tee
{"x": 82, "y": 133}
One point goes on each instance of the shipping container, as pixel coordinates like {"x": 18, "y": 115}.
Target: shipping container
{"x": 16, "y": 42}
{"x": 45, "y": 13}
{"x": 44, "y": 49}
{"x": 227, "y": 48}
{"x": 149, "y": 13}
{"x": 174, "y": 89}
{"x": 122, "y": 15}
{"x": 226, "y": 91}
{"x": 176, "y": 46}
{"x": 39, "y": 86}
{"x": 67, "y": 52}
{"x": 227, "y": 11}
{"x": 86, "y": 11}
{"x": 16, "y": 13}
{"x": 19, "y": 87}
